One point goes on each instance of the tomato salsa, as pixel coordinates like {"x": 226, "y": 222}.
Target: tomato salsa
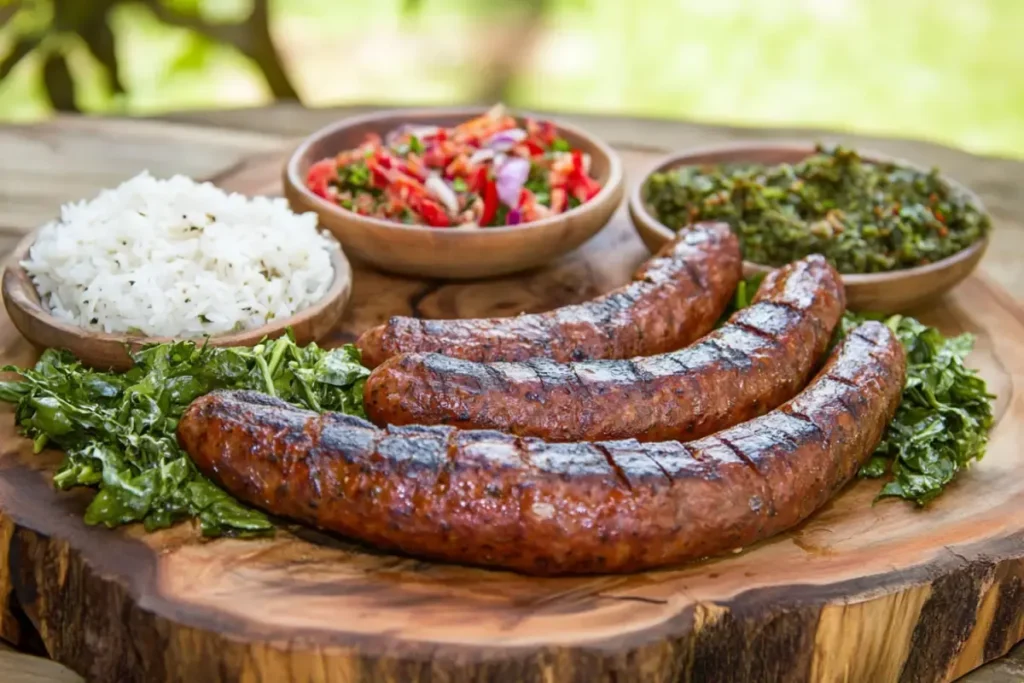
{"x": 485, "y": 172}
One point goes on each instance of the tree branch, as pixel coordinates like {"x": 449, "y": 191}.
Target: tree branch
{"x": 100, "y": 40}
{"x": 59, "y": 85}
{"x": 251, "y": 37}
{"x": 232, "y": 34}
{"x": 8, "y": 11}
{"x": 20, "y": 50}
{"x": 265, "y": 54}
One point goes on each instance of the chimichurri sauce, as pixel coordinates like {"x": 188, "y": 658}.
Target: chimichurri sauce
{"x": 864, "y": 217}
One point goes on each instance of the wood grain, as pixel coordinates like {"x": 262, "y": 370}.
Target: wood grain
{"x": 690, "y": 624}
{"x": 861, "y": 591}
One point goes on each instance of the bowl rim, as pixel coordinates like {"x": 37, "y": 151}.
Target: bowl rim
{"x": 33, "y": 305}
{"x": 317, "y": 203}
{"x": 640, "y": 213}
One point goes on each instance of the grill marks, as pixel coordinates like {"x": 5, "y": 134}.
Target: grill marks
{"x": 603, "y": 448}
{"x": 689, "y": 283}
{"x": 758, "y": 360}
{"x": 756, "y": 331}
{"x": 841, "y": 380}
{"x": 489, "y": 498}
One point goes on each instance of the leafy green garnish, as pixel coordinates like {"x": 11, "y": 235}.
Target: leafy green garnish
{"x": 118, "y": 429}
{"x": 943, "y": 419}
{"x": 561, "y": 145}
{"x": 459, "y": 185}
{"x": 944, "y": 415}
{"x": 354, "y": 176}
{"x": 415, "y": 146}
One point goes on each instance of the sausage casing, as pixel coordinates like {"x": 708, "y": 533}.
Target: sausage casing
{"x": 760, "y": 358}
{"x": 487, "y": 498}
{"x": 674, "y": 298}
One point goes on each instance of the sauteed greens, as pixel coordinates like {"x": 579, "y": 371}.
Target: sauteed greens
{"x": 865, "y": 217}
{"x": 118, "y": 429}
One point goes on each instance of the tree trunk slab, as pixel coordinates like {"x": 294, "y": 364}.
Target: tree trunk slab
{"x": 863, "y": 591}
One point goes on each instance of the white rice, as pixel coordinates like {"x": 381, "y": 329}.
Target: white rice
{"x": 179, "y": 258}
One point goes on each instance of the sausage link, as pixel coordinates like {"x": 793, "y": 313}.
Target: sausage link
{"x": 674, "y": 298}
{"x": 493, "y": 499}
{"x": 760, "y": 358}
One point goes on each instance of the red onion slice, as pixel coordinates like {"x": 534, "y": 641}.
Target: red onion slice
{"x": 511, "y": 177}
{"x": 505, "y": 140}
{"x": 436, "y": 186}
{"x": 481, "y": 155}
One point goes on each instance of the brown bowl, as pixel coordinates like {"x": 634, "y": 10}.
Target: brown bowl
{"x": 449, "y": 253}
{"x": 890, "y": 292}
{"x": 105, "y": 351}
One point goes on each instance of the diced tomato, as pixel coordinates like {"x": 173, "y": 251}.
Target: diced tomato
{"x": 434, "y": 157}
{"x": 414, "y": 166}
{"x": 577, "y": 161}
{"x": 548, "y": 132}
{"x": 543, "y": 132}
{"x": 535, "y": 149}
{"x": 584, "y": 188}
{"x": 383, "y": 159}
{"x": 319, "y": 177}
{"x": 433, "y": 214}
{"x": 559, "y": 200}
{"x": 458, "y": 167}
{"x": 490, "y": 203}
{"x": 408, "y": 186}
{"x": 378, "y": 173}
{"x": 526, "y": 198}
{"x": 478, "y": 179}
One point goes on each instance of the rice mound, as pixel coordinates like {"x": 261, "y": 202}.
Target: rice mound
{"x": 178, "y": 258}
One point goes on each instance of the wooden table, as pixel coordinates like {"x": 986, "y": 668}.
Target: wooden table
{"x": 45, "y": 165}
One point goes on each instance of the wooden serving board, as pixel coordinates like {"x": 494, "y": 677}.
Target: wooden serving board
{"x": 863, "y": 591}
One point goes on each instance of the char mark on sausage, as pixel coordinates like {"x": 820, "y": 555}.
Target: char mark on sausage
{"x": 674, "y": 298}
{"x": 760, "y": 358}
{"x": 493, "y": 499}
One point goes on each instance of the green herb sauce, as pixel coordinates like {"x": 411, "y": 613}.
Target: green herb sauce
{"x": 864, "y": 217}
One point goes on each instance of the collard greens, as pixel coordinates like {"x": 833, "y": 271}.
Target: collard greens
{"x": 118, "y": 429}
{"x": 943, "y": 420}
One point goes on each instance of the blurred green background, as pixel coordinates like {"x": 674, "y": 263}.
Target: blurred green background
{"x": 951, "y": 71}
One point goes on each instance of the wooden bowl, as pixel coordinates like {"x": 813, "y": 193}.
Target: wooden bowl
{"x": 449, "y": 253}
{"x": 890, "y": 292}
{"x": 109, "y": 351}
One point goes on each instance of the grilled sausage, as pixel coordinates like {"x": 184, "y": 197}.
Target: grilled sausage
{"x": 674, "y": 298}
{"x": 487, "y": 498}
{"x": 763, "y": 356}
